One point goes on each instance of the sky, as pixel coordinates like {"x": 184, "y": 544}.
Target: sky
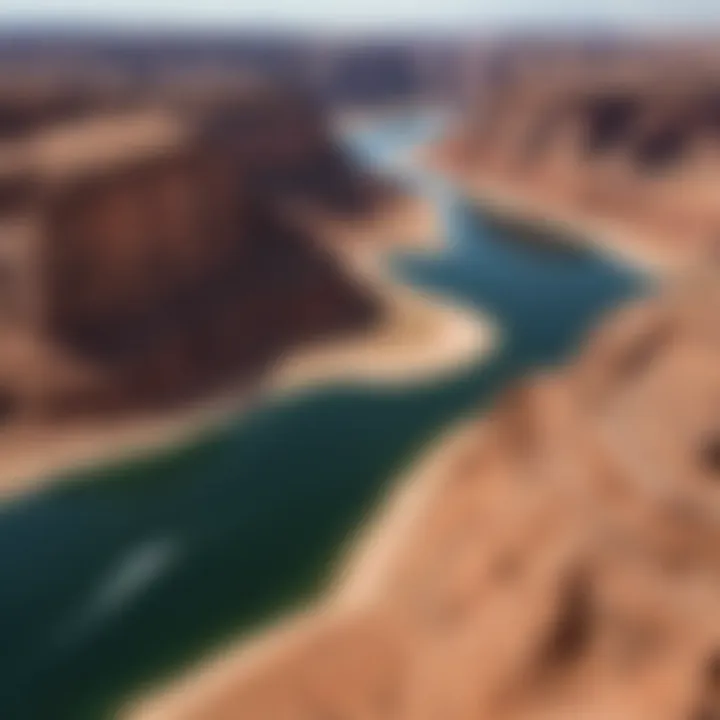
{"x": 365, "y": 14}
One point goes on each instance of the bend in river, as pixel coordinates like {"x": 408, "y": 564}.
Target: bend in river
{"x": 112, "y": 578}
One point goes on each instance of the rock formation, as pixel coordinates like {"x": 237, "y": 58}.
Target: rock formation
{"x": 345, "y": 70}
{"x": 559, "y": 558}
{"x": 148, "y": 255}
{"x": 629, "y": 141}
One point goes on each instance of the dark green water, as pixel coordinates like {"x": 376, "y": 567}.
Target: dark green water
{"x": 116, "y": 577}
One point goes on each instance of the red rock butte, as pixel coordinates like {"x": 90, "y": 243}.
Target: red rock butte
{"x": 147, "y": 255}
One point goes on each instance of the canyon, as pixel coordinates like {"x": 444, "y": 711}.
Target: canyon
{"x": 557, "y": 557}
{"x": 149, "y": 250}
{"x": 620, "y": 148}
{"x": 183, "y": 238}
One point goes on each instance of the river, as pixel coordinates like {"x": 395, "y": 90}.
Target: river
{"x": 116, "y": 577}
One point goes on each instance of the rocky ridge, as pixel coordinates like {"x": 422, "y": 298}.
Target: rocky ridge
{"x": 558, "y": 558}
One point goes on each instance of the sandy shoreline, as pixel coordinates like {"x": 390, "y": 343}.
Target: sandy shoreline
{"x": 608, "y": 236}
{"x": 361, "y": 574}
{"x": 418, "y": 337}
{"x": 368, "y": 567}
{"x": 604, "y": 235}
{"x": 502, "y": 576}
{"x": 415, "y": 338}
{"x": 354, "y": 593}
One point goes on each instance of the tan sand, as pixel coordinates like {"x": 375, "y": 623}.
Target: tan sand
{"x": 556, "y": 559}
{"x": 418, "y": 337}
{"x": 415, "y": 338}
{"x": 627, "y": 244}
{"x": 349, "y": 602}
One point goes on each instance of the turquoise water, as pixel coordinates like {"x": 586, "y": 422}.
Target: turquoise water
{"x": 115, "y": 577}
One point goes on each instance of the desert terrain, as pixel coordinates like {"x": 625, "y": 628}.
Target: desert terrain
{"x": 556, "y": 558}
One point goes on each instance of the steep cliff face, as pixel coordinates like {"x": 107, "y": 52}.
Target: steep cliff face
{"x": 160, "y": 257}
{"x": 281, "y": 141}
{"x": 230, "y": 323}
{"x": 559, "y": 558}
{"x": 620, "y": 140}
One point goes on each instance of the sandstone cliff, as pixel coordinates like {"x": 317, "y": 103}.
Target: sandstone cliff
{"x": 559, "y": 558}
{"x": 626, "y": 145}
{"x": 149, "y": 255}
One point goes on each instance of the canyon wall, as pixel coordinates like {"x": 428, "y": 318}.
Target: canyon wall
{"x": 630, "y": 139}
{"x": 149, "y": 254}
{"x": 557, "y": 558}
